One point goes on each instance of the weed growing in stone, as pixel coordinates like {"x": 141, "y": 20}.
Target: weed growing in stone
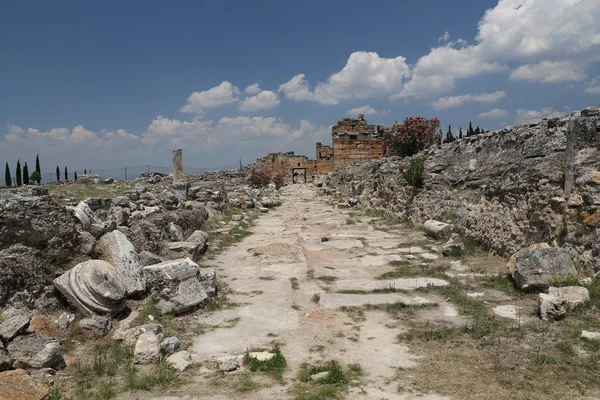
{"x": 316, "y": 298}
{"x": 274, "y": 366}
{"x": 325, "y": 381}
{"x": 294, "y": 283}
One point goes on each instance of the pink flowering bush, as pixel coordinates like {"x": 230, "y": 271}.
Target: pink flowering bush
{"x": 279, "y": 180}
{"x": 411, "y": 137}
{"x": 259, "y": 179}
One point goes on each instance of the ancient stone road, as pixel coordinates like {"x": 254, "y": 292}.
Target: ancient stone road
{"x": 288, "y": 242}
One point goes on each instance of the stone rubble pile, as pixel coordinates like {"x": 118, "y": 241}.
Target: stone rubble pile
{"x": 96, "y": 254}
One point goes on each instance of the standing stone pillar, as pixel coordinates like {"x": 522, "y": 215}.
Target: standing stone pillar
{"x": 180, "y": 186}
{"x": 177, "y": 165}
{"x": 572, "y": 131}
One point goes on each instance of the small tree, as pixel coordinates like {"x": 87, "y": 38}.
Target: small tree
{"x": 449, "y": 135}
{"x": 18, "y": 173}
{"x": 25, "y": 174}
{"x": 75, "y": 175}
{"x": 67, "y": 174}
{"x": 36, "y": 177}
{"x": 259, "y": 179}
{"x": 85, "y": 171}
{"x": 477, "y": 131}
{"x": 279, "y": 180}
{"x": 7, "y": 178}
{"x": 460, "y": 133}
{"x": 37, "y": 164}
{"x": 410, "y": 137}
{"x": 470, "y": 131}
{"x": 57, "y": 174}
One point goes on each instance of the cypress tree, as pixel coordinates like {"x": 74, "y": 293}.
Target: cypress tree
{"x": 75, "y": 176}
{"x": 66, "y": 174}
{"x": 460, "y": 133}
{"x": 57, "y": 174}
{"x": 477, "y": 131}
{"x": 18, "y": 173}
{"x": 25, "y": 174}
{"x": 470, "y": 132}
{"x": 85, "y": 171}
{"x": 449, "y": 135}
{"x": 37, "y": 164}
{"x": 7, "y": 178}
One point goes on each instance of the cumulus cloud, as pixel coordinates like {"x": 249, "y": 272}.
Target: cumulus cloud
{"x": 549, "y": 72}
{"x": 445, "y": 37}
{"x": 493, "y": 114}
{"x": 457, "y": 101}
{"x": 593, "y": 86}
{"x": 366, "y": 110}
{"x": 365, "y": 75}
{"x": 263, "y": 100}
{"x": 253, "y": 89}
{"x": 524, "y": 116}
{"x": 225, "y": 93}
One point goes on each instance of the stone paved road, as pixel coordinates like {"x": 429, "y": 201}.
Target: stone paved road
{"x": 288, "y": 243}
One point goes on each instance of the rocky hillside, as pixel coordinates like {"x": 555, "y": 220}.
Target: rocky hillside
{"x": 504, "y": 189}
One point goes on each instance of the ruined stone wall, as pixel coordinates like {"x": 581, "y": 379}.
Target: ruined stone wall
{"x": 324, "y": 159}
{"x": 285, "y": 163}
{"x": 349, "y": 148}
{"x": 504, "y": 189}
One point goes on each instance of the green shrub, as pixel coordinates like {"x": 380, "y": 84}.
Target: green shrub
{"x": 414, "y": 173}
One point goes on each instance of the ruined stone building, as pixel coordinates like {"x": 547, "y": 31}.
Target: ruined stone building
{"x": 353, "y": 141}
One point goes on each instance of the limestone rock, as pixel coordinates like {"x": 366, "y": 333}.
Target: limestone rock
{"x": 208, "y": 278}
{"x": 147, "y": 258}
{"x": 438, "y": 229}
{"x": 574, "y": 295}
{"x": 12, "y": 326}
{"x": 65, "y": 320}
{"x": 33, "y": 351}
{"x": 170, "y": 345}
{"x": 19, "y": 385}
{"x": 320, "y": 376}
{"x": 85, "y": 215}
{"x": 590, "y": 335}
{"x": 95, "y": 325}
{"x": 180, "y": 360}
{"x": 146, "y": 349}
{"x": 131, "y": 335}
{"x": 199, "y": 237}
{"x": 454, "y": 247}
{"x": 88, "y": 178}
{"x": 552, "y": 308}
{"x": 5, "y": 360}
{"x": 118, "y": 251}
{"x": 175, "y": 285}
{"x": 229, "y": 363}
{"x": 93, "y": 287}
{"x": 261, "y": 355}
{"x": 184, "y": 249}
{"x": 538, "y": 268}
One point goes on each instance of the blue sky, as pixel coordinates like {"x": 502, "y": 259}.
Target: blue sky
{"x": 110, "y": 84}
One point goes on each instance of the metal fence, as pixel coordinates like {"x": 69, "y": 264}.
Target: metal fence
{"x": 127, "y": 173}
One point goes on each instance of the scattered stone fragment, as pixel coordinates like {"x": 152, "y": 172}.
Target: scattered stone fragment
{"x": 33, "y": 351}
{"x": 229, "y": 363}
{"x": 551, "y": 307}
{"x": 574, "y": 295}
{"x": 261, "y": 355}
{"x": 170, "y": 345}
{"x": 64, "y": 321}
{"x": 146, "y": 349}
{"x": 118, "y": 251}
{"x": 180, "y": 360}
{"x": 93, "y": 287}
{"x": 13, "y": 326}
{"x": 320, "y": 376}
{"x": 539, "y": 266}
{"x": 184, "y": 249}
{"x": 95, "y": 325}
{"x": 507, "y": 311}
{"x": 590, "y": 335}
{"x": 131, "y": 335}
{"x": 147, "y": 258}
{"x": 176, "y": 286}
{"x": 19, "y": 385}
{"x": 454, "y": 247}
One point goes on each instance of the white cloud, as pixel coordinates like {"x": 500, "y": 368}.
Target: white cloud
{"x": 493, "y": 114}
{"x": 225, "y": 93}
{"x": 445, "y": 37}
{"x": 264, "y": 99}
{"x": 457, "y": 101}
{"x": 593, "y": 86}
{"x": 530, "y": 32}
{"x": 549, "y": 72}
{"x": 524, "y": 116}
{"x": 253, "y": 89}
{"x": 366, "y": 110}
{"x": 364, "y": 75}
